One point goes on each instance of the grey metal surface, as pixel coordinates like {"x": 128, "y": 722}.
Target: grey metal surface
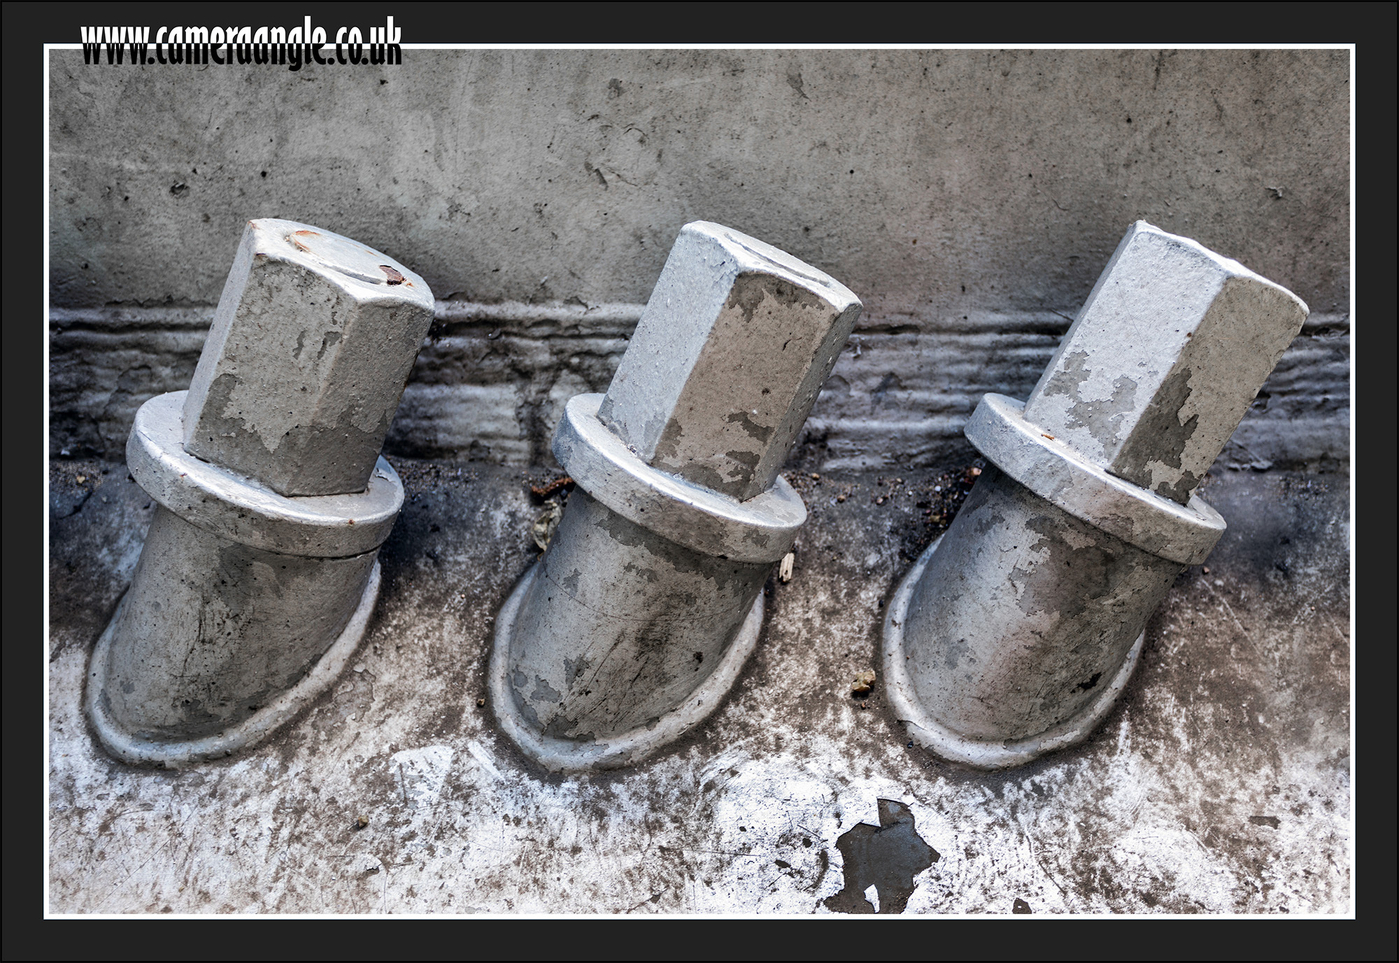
{"x": 1038, "y": 594}
{"x": 1182, "y": 533}
{"x": 650, "y": 586}
{"x": 727, "y": 360}
{"x": 225, "y": 504}
{"x": 312, "y": 341}
{"x": 594, "y": 667}
{"x": 1019, "y": 621}
{"x": 249, "y": 597}
{"x": 760, "y": 529}
{"x": 1167, "y": 353}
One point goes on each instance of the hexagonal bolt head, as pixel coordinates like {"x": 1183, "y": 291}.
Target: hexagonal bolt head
{"x": 727, "y": 360}
{"x": 312, "y": 342}
{"x": 1168, "y": 352}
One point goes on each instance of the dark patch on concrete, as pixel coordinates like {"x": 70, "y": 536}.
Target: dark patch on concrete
{"x": 889, "y": 382}
{"x": 1090, "y": 683}
{"x": 1020, "y": 906}
{"x": 887, "y": 857}
{"x": 573, "y": 669}
{"x": 1160, "y": 437}
{"x": 957, "y": 651}
{"x": 742, "y": 465}
{"x": 987, "y": 521}
{"x": 750, "y": 291}
{"x": 1271, "y": 821}
{"x": 215, "y": 427}
{"x": 569, "y": 583}
{"x": 331, "y": 339}
{"x": 794, "y": 80}
{"x": 562, "y": 727}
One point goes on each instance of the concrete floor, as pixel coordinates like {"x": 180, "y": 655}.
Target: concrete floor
{"x": 1220, "y": 784}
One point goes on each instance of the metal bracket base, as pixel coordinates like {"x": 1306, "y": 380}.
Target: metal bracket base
{"x": 630, "y": 747}
{"x": 980, "y": 753}
{"x": 144, "y": 751}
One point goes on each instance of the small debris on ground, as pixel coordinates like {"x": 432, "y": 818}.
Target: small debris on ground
{"x": 361, "y": 822}
{"x": 864, "y": 682}
{"x": 544, "y": 526}
{"x": 784, "y": 571}
{"x": 549, "y": 488}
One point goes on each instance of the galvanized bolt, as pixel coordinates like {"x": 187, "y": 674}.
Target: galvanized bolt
{"x": 259, "y": 571}
{"x": 637, "y": 619}
{"x": 312, "y": 341}
{"x": 1015, "y": 631}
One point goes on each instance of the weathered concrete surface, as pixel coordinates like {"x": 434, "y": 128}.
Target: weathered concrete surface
{"x": 532, "y": 175}
{"x": 1220, "y": 784}
{"x": 246, "y": 602}
{"x": 896, "y": 398}
{"x": 968, "y": 197}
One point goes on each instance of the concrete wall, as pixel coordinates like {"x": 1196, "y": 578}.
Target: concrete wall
{"x": 969, "y": 197}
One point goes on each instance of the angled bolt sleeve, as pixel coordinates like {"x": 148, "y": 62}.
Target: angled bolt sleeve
{"x": 1017, "y": 629}
{"x": 638, "y": 618}
{"x": 259, "y": 571}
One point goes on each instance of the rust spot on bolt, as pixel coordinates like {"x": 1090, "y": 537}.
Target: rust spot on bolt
{"x": 297, "y": 244}
{"x": 394, "y": 276}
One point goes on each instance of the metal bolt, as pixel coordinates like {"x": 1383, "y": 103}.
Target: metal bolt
{"x": 1015, "y": 631}
{"x": 640, "y": 614}
{"x": 259, "y": 571}
{"x": 303, "y": 369}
